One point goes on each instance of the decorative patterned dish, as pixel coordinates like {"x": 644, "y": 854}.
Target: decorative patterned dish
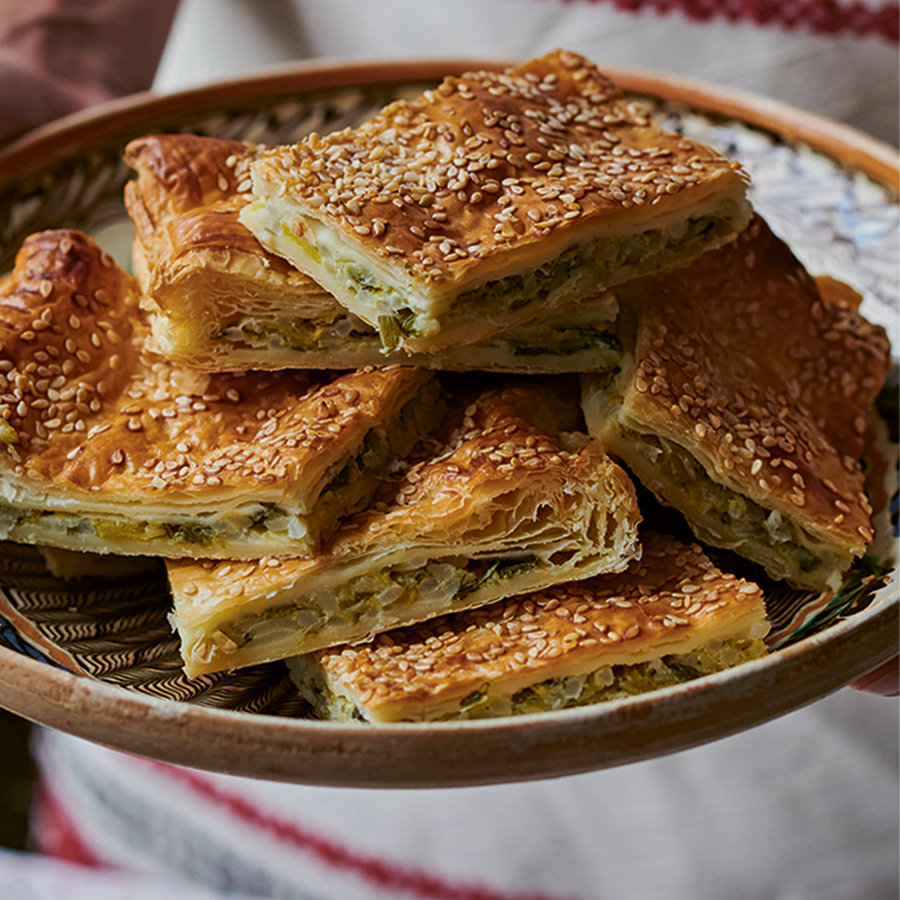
{"x": 96, "y": 657}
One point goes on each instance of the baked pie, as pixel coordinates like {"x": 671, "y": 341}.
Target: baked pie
{"x": 507, "y": 501}
{"x": 742, "y": 402}
{"x": 108, "y": 448}
{"x": 669, "y": 618}
{"x": 494, "y": 199}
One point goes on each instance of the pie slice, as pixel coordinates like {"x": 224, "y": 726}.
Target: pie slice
{"x": 219, "y": 301}
{"x": 669, "y": 618}
{"x": 507, "y": 501}
{"x": 495, "y": 199}
{"x": 742, "y": 402}
{"x": 107, "y": 448}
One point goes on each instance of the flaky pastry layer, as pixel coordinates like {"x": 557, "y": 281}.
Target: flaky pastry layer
{"x": 670, "y": 617}
{"x": 743, "y": 403}
{"x": 201, "y": 271}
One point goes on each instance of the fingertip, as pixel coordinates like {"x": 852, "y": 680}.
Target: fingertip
{"x": 883, "y": 681}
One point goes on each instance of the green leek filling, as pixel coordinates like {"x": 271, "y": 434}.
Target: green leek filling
{"x": 727, "y": 515}
{"x": 447, "y": 579}
{"x": 565, "y": 342}
{"x": 580, "y": 268}
{"x": 593, "y": 262}
{"x": 616, "y": 682}
{"x": 305, "y": 335}
{"x": 200, "y": 531}
{"x": 309, "y": 336}
{"x": 305, "y": 246}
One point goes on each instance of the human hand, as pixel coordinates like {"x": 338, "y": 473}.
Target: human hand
{"x": 884, "y": 681}
{"x": 30, "y": 97}
{"x": 59, "y": 56}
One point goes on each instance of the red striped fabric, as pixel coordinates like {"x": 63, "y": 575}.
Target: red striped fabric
{"x": 55, "y": 834}
{"x": 370, "y": 870}
{"x": 825, "y": 17}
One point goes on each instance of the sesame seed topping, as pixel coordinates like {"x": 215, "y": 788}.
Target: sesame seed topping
{"x": 451, "y": 657}
{"x": 547, "y": 141}
{"x": 760, "y": 407}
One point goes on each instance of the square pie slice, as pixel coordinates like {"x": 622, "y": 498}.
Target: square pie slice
{"x": 668, "y": 618}
{"x": 492, "y": 200}
{"x": 742, "y": 403}
{"x": 107, "y": 448}
{"x": 219, "y": 301}
{"x": 498, "y": 507}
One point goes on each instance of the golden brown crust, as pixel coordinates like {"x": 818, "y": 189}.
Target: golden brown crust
{"x": 187, "y": 196}
{"x": 181, "y": 172}
{"x": 740, "y": 361}
{"x": 673, "y": 600}
{"x": 220, "y": 302}
{"x": 200, "y": 266}
{"x": 496, "y": 488}
{"x": 490, "y": 162}
{"x": 66, "y": 340}
{"x": 91, "y": 423}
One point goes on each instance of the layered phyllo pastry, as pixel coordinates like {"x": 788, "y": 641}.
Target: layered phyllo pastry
{"x": 495, "y": 199}
{"x": 507, "y": 501}
{"x": 109, "y": 448}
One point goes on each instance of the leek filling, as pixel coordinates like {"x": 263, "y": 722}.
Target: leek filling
{"x": 353, "y": 599}
{"x": 600, "y": 685}
{"x": 204, "y": 530}
{"x": 395, "y": 327}
{"x": 305, "y": 246}
{"x": 350, "y": 481}
{"x": 320, "y": 335}
{"x": 615, "y": 682}
{"x": 729, "y": 518}
{"x": 370, "y": 456}
{"x": 595, "y": 262}
{"x": 303, "y": 335}
{"x": 577, "y": 270}
{"x": 565, "y": 342}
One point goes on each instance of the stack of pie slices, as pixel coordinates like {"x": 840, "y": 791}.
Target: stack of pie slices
{"x": 385, "y": 401}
